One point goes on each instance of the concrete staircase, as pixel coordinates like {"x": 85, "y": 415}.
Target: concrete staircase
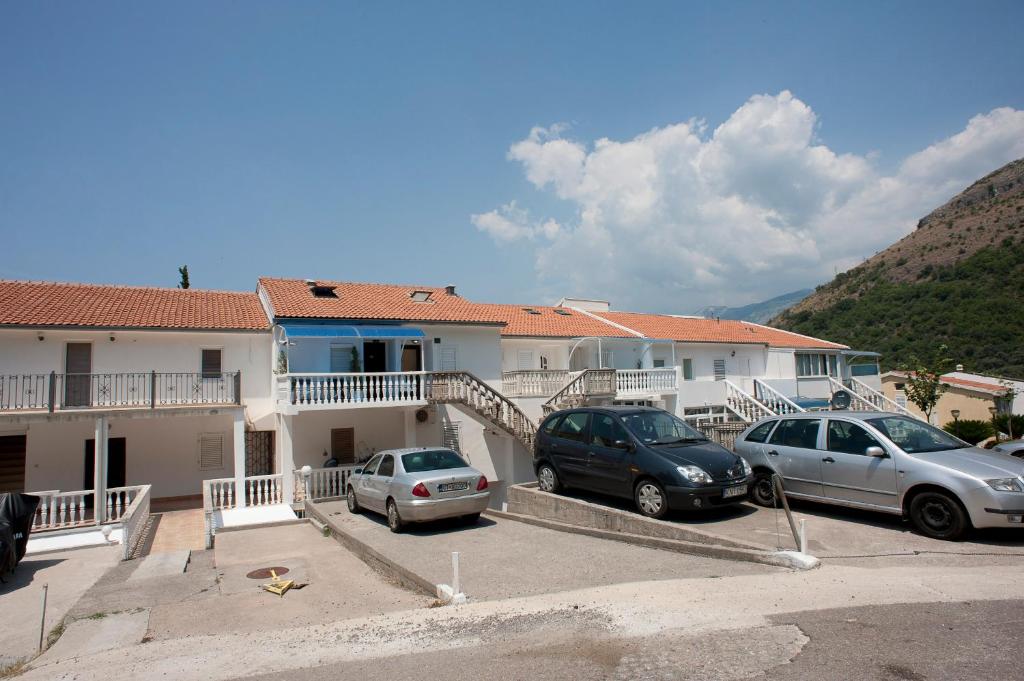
{"x": 581, "y": 387}
{"x": 465, "y": 390}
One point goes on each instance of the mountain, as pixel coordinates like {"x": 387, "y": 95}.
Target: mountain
{"x": 958, "y": 280}
{"x": 755, "y": 312}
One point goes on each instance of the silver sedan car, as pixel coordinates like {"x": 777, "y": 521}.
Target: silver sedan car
{"x": 1013, "y": 448}
{"x": 417, "y": 485}
{"x": 886, "y": 462}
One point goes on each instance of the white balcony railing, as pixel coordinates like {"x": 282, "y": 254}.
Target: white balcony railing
{"x": 322, "y": 483}
{"x": 536, "y": 383}
{"x": 125, "y": 506}
{"x": 60, "y": 510}
{"x": 645, "y": 381}
{"x": 352, "y": 389}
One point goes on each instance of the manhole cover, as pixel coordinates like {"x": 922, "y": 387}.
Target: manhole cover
{"x": 264, "y": 573}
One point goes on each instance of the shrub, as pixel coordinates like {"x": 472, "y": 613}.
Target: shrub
{"x": 1017, "y": 423}
{"x": 970, "y": 430}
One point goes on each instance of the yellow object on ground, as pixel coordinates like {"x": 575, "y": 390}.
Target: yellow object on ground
{"x": 278, "y": 586}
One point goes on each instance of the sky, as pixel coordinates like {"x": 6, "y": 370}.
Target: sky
{"x": 662, "y": 156}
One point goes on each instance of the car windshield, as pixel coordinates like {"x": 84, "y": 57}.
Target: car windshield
{"x": 433, "y": 460}
{"x": 913, "y": 436}
{"x": 660, "y": 428}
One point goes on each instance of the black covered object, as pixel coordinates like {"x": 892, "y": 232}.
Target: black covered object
{"x": 16, "y": 513}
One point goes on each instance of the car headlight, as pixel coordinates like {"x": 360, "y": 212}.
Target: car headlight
{"x": 1005, "y": 485}
{"x": 695, "y": 474}
{"x": 747, "y": 470}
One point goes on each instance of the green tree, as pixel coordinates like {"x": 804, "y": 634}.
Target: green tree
{"x": 924, "y": 384}
{"x": 183, "y": 272}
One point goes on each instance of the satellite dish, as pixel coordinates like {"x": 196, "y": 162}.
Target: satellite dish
{"x": 840, "y": 400}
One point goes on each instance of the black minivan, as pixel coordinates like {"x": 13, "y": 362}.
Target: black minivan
{"x": 642, "y": 453}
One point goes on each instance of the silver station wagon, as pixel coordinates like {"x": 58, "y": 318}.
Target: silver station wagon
{"x": 886, "y": 462}
{"x": 418, "y": 485}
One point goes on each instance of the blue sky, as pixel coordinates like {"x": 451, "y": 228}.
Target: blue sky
{"x": 357, "y": 141}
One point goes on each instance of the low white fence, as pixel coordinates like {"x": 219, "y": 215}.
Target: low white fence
{"x": 134, "y": 519}
{"x": 645, "y": 381}
{"x": 264, "y": 490}
{"x": 322, "y": 483}
{"x": 125, "y": 506}
{"x": 60, "y": 510}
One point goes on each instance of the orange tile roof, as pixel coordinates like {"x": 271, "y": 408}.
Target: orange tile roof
{"x": 551, "y": 324}
{"x": 291, "y": 298}
{"x": 37, "y": 303}
{"x": 977, "y": 385}
{"x": 698, "y": 330}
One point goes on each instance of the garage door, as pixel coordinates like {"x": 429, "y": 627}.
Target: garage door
{"x": 12, "y": 463}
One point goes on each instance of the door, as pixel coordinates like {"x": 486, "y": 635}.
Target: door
{"x": 259, "y": 452}
{"x": 608, "y": 457}
{"x": 362, "y": 483}
{"x": 569, "y": 448}
{"x": 116, "y": 464}
{"x": 374, "y": 356}
{"x": 380, "y": 482}
{"x": 848, "y": 474}
{"x": 77, "y": 370}
{"x": 12, "y": 463}
{"x": 793, "y": 452}
{"x": 411, "y": 358}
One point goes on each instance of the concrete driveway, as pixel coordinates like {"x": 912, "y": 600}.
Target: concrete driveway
{"x": 504, "y": 559}
{"x": 835, "y": 532}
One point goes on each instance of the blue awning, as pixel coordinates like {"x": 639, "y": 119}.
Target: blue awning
{"x": 349, "y": 331}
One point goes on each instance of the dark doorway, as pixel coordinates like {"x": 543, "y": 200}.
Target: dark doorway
{"x": 259, "y": 452}
{"x": 12, "y": 463}
{"x": 116, "y": 463}
{"x": 77, "y": 370}
{"x": 374, "y": 356}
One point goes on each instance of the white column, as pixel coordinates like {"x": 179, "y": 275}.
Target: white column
{"x": 100, "y": 459}
{"x": 679, "y": 391}
{"x": 239, "y": 451}
{"x": 287, "y": 468}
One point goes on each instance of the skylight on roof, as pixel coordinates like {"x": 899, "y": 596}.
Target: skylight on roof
{"x": 420, "y": 296}
{"x": 323, "y": 291}
{"x": 564, "y": 313}
{"x": 530, "y": 310}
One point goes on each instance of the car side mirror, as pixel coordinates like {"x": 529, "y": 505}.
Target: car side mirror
{"x": 357, "y": 471}
{"x": 624, "y": 444}
{"x": 876, "y": 452}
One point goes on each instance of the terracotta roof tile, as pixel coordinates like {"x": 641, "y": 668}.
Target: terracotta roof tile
{"x": 699, "y": 330}
{"x": 977, "y": 385}
{"x": 552, "y": 322}
{"x": 35, "y": 303}
{"x": 292, "y": 298}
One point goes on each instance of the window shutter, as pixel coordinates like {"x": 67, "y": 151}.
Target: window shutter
{"x": 448, "y": 359}
{"x": 211, "y": 367}
{"x": 524, "y": 360}
{"x": 343, "y": 445}
{"x": 719, "y": 369}
{"x": 450, "y": 436}
{"x": 211, "y": 451}
{"x": 341, "y": 359}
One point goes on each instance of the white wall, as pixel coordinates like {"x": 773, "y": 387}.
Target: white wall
{"x": 556, "y": 351}
{"x": 160, "y": 451}
{"x": 379, "y": 428}
{"x": 478, "y": 350}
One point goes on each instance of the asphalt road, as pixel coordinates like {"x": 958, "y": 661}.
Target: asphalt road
{"x": 931, "y": 641}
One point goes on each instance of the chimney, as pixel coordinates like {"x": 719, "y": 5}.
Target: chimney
{"x": 449, "y": 290}
{"x": 959, "y": 367}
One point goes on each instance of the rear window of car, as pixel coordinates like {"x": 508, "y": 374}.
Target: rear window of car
{"x": 801, "y": 433}
{"x": 573, "y": 426}
{"x": 760, "y": 434}
{"x": 433, "y": 460}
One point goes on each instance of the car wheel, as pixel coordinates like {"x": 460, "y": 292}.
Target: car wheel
{"x": 395, "y": 523}
{"x": 762, "y": 492}
{"x": 353, "y": 503}
{"x": 938, "y": 516}
{"x": 547, "y": 479}
{"x": 650, "y": 499}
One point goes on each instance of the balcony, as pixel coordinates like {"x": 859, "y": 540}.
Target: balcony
{"x": 352, "y": 390}
{"x": 628, "y": 383}
{"x": 55, "y": 392}
{"x": 537, "y": 383}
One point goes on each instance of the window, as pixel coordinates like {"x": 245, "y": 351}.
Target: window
{"x": 719, "y": 369}
{"x": 343, "y": 447}
{"x": 573, "y": 426}
{"x": 912, "y": 435}
{"x": 543, "y": 363}
{"x": 549, "y": 425}
{"x": 431, "y": 460}
{"x": 659, "y": 427}
{"x": 563, "y": 312}
{"x": 323, "y": 291}
{"x": 387, "y": 467}
{"x": 448, "y": 358}
{"x": 530, "y": 310}
{"x": 371, "y": 465}
{"x": 659, "y": 364}
{"x": 211, "y": 451}
{"x": 420, "y": 296}
{"x": 849, "y": 438}
{"x": 760, "y": 434}
{"x": 524, "y": 360}
{"x": 450, "y": 436}
{"x": 606, "y": 431}
{"x": 688, "y": 369}
{"x": 210, "y": 365}
{"x": 608, "y": 359}
{"x": 341, "y": 359}
{"x": 816, "y": 364}
{"x": 801, "y": 433}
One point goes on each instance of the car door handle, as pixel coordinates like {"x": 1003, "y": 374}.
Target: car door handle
{"x": 773, "y": 453}
{"x": 829, "y": 459}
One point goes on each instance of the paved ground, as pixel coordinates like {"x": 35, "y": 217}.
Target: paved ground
{"x": 835, "y": 532}
{"x": 507, "y": 559}
{"x": 736, "y": 627}
{"x": 177, "y": 530}
{"x": 69, "y": 574}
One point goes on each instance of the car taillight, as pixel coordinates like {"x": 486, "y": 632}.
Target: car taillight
{"x": 420, "y": 490}
{"x": 482, "y": 485}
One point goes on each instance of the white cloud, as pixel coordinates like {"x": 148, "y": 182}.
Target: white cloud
{"x": 674, "y": 219}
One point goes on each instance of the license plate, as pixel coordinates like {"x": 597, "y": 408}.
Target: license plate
{"x": 452, "y": 486}
{"x": 737, "y": 491}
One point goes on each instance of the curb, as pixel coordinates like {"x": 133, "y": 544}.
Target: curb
{"x": 375, "y": 559}
{"x": 677, "y": 545}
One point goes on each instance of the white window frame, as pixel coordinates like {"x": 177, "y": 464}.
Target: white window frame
{"x": 687, "y": 365}
{"x": 720, "y": 376}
